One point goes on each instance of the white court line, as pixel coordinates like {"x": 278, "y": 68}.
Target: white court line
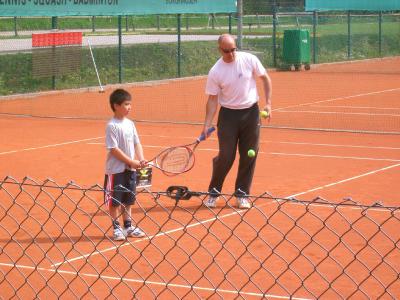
{"x": 289, "y": 143}
{"x": 161, "y": 136}
{"x": 293, "y": 154}
{"x": 333, "y": 156}
{"x": 68, "y": 143}
{"x": 337, "y": 113}
{"x": 338, "y": 98}
{"x": 148, "y": 238}
{"x": 124, "y": 279}
{"x": 51, "y": 145}
{"x": 346, "y": 180}
{"x": 356, "y": 107}
{"x": 334, "y": 145}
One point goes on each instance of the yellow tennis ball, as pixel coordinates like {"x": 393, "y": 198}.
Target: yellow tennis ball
{"x": 251, "y": 153}
{"x": 263, "y": 114}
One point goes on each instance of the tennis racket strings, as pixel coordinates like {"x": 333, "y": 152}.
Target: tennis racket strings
{"x": 176, "y": 160}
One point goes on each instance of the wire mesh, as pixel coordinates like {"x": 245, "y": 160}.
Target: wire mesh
{"x": 149, "y": 49}
{"x": 56, "y": 241}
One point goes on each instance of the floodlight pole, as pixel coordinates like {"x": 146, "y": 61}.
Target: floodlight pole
{"x": 239, "y": 23}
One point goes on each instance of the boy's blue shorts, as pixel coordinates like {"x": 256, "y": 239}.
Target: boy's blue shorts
{"x": 120, "y": 188}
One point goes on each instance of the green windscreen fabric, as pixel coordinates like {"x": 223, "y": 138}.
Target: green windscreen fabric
{"x": 53, "y": 8}
{"x": 376, "y": 5}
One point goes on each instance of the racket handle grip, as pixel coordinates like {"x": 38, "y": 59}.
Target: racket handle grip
{"x": 202, "y": 136}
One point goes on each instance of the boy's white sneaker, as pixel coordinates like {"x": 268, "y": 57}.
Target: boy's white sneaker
{"x": 118, "y": 234}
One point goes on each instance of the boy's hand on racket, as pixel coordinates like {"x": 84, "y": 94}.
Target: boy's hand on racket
{"x": 135, "y": 164}
{"x": 143, "y": 163}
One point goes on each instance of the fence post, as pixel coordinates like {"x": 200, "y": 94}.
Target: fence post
{"x": 348, "y": 34}
{"x": 120, "y": 49}
{"x": 274, "y": 22}
{"x": 315, "y": 22}
{"x": 53, "y": 26}
{"x": 239, "y": 23}
{"x": 15, "y": 26}
{"x": 230, "y": 23}
{"x": 93, "y": 26}
{"x": 179, "y": 44}
{"x": 380, "y": 32}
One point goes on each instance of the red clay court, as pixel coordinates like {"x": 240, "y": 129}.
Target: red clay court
{"x": 334, "y": 135}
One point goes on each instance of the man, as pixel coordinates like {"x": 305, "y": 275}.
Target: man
{"x": 231, "y": 83}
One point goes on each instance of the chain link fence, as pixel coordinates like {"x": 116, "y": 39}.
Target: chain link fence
{"x": 56, "y": 243}
{"x": 143, "y": 48}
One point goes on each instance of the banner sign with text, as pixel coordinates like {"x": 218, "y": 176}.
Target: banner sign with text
{"x": 52, "y": 8}
{"x": 374, "y": 5}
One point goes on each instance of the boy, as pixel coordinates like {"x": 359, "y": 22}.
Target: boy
{"x": 123, "y": 145}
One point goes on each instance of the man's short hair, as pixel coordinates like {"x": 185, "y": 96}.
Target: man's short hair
{"x": 118, "y": 97}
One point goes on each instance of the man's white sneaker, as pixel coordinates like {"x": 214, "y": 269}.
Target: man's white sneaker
{"x": 211, "y": 202}
{"x": 133, "y": 232}
{"x": 243, "y": 202}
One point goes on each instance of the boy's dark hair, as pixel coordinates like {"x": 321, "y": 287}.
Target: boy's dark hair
{"x": 118, "y": 97}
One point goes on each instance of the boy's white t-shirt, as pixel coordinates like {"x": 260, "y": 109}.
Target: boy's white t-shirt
{"x": 235, "y": 82}
{"x": 120, "y": 134}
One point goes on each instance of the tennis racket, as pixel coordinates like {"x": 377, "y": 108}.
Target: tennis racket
{"x": 178, "y": 159}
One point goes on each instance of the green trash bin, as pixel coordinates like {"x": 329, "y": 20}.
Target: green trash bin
{"x": 296, "y": 48}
